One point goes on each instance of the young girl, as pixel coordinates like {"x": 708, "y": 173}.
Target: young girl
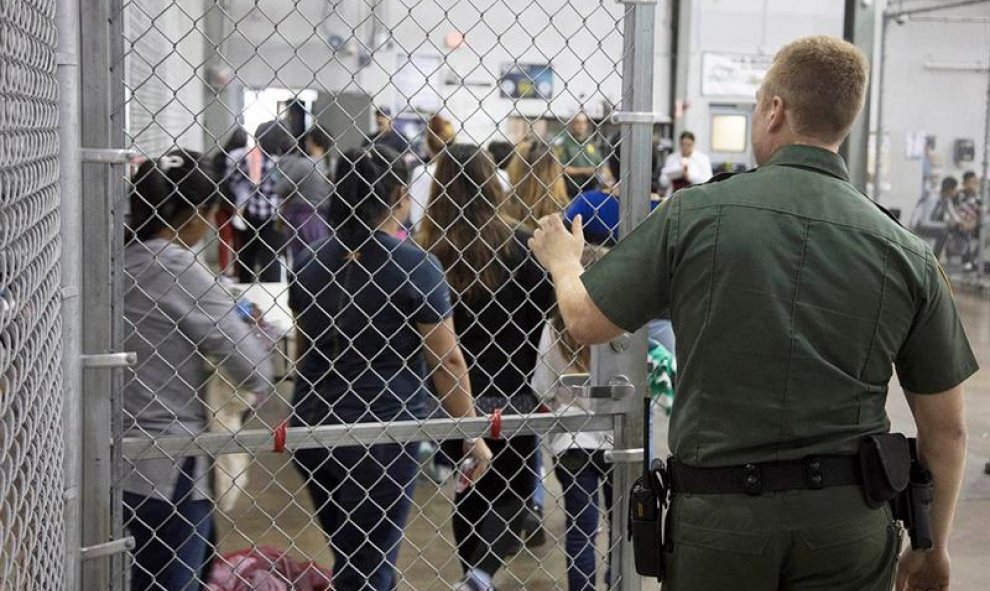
{"x": 579, "y": 458}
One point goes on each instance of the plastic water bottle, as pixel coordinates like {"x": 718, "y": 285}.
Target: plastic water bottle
{"x": 464, "y": 474}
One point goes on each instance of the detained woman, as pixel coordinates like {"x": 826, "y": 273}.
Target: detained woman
{"x": 501, "y": 297}
{"x": 179, "y": 321}
{"x": 368, "y": 308}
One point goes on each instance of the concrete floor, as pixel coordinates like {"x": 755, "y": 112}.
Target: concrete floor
{"x": 276, "y": 509}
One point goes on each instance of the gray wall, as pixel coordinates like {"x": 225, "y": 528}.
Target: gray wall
{"x": 581, "y": 39}
{"x": 757, "y": 27}
{"x": 164, "y": 47}
{"x": 945, "y": 103}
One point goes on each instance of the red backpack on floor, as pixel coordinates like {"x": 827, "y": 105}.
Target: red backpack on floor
{"x": 266, "y": 569}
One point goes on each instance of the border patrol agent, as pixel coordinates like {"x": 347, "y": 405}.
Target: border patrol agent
{"x": 578, "y": 155}
{"x": 793, "y": 298}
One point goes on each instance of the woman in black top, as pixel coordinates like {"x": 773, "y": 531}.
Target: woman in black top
{"x": 501, "y": 297}
{"x": 368, "y": 309}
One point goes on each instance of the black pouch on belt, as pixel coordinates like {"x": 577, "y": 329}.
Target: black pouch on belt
{"x": 885, "y": 462}
{"x": 647, "y": 499}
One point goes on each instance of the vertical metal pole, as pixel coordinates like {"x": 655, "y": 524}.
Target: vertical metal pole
{"x": 984, "y": 182}
{"x": 878, "y": 139}
{"x": 223, "y": 100}
{"x": 101, "y": 89}
{"x": 67, "y": 22}
{"x": 685, "y": 34}
{"x": 118, "y": 204}
{"x": 858, "y": 29}
{"x": 626, "y": 356}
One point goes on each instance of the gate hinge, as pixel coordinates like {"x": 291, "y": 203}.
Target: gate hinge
{"x": 109, "y": 360}
{"x": 107, "y": 548}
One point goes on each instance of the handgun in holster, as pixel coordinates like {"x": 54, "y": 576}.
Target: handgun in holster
{"x": 647, "y": 500}
{"x": 893, "y": 473}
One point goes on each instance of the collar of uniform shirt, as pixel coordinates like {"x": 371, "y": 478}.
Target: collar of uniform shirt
{"x": 810, "y": 157}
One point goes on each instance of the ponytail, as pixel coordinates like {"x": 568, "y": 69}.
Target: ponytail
{"x": 367, "y": 179}
{"x": 167, "y": 191}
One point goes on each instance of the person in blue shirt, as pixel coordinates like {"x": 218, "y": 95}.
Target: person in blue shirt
{"x": 368, "y": 308}
{"x": 599, "y": 208}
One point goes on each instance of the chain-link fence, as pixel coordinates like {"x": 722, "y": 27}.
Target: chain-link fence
{"x": 338, "y": 323}
{"x": 31, "y": 471}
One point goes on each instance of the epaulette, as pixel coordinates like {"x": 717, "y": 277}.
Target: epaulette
{"x": 883, "y": 209}
{"x": 718, "y": 178}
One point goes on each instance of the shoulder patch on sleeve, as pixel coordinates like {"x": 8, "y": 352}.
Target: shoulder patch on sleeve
{"x": 945, "y": 278}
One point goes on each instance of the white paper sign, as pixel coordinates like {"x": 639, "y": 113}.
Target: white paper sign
{"x": 733, "y": 74}
{"x": 416, "y": 80}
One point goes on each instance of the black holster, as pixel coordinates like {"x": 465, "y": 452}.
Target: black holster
{"x": 893, "y": 473}
{"x": 647, "y": 501}
{"x": 913, "y": 505}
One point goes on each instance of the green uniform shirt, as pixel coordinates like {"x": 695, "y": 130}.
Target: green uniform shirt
{"x": 792, "y": 297}
{"x": 577, "y": 153}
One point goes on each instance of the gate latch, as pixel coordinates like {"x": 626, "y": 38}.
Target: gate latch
{"x": 107, "y": 548}
{"x": 109, "y": 360}
{"x": 624, "y": 456}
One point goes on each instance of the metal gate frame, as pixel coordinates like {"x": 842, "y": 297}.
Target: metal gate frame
{"x": 95, "y": 126}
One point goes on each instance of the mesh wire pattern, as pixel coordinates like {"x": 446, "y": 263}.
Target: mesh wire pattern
{"x": 227, "y": 350}
{"x": 31, "y": 470}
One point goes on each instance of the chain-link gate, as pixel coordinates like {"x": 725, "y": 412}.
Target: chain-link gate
{"x": 31, "y": 470}
{"x": 324, "y": 274}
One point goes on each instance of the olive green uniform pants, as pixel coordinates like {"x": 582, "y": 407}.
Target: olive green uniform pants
{"x": 802, "y": 540}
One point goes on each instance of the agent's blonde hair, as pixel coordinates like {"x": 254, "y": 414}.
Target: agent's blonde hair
{"x": 822, "y": 81}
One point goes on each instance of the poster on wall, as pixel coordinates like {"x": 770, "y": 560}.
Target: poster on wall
{"x": 914, "y": 145}
{"x": 526, "y": 81}
{"x": 733, "y": 74}
{"x": 416, "y": 80}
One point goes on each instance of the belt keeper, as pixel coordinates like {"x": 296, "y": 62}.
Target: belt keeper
{"x": 813, "y": 473}
{"x": 495, "y": 429}
{"x": 752, "y": 481}
{"x": 278, "y": 436}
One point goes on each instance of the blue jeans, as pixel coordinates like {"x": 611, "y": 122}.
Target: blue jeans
{"x": 583, "y": 473}
{"x": 171, "y": 538}
{"x": 362, "y": 499}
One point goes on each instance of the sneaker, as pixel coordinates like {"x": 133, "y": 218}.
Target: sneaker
{"x": 475, "y": 580}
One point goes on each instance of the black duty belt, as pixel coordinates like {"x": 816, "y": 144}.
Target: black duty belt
{"x": 812, "y": 472}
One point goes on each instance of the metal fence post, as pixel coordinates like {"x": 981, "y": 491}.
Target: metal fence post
{"x": 859, "y": 29}
{"x": 67, "y": 20}
{"x": 101, "y": 87}
{"x": 626, "y": 356}
{"x": 985, "y": 181}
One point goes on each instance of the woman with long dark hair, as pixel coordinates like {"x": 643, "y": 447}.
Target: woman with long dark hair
{"x": 368, "y": 308}
{"x": 179, "y": 322}
{"x": 501, "y": 297}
